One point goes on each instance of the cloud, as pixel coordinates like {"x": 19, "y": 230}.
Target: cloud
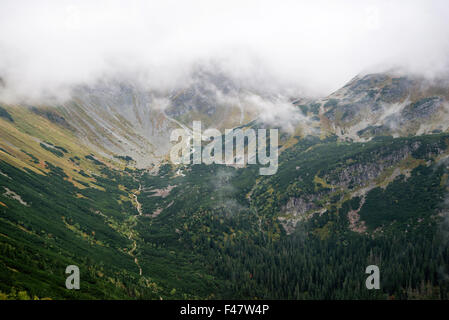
{"x": 276, "y": 112}
{"x": 46, "y": 47}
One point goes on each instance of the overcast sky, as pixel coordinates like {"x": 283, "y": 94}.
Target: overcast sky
{"x": 48, "y": 46}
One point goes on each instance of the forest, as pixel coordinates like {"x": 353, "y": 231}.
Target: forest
{"x": 219, "y": 231}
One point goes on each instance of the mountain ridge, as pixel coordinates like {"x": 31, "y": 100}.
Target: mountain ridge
{"x": 337, "y": 203}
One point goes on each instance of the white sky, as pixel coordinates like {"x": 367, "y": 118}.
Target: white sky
{"x": 48, "y": 46}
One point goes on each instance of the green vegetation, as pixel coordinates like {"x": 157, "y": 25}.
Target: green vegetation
{"x": 214, "y": 232}
{"x": 5, "y": 114}
{"x": 405, "y": 200}
{"x": 124, "y": 158}
{"x": 95, "y": 161}
{"x": 33, "y": 158}
{"x": 53, "y": 150}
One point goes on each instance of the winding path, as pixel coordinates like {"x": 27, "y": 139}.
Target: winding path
{"x": 131, "y": 253}
{"x": 138, "y": 204}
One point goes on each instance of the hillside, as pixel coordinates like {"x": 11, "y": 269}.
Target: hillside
{"x": 362, "y": 179}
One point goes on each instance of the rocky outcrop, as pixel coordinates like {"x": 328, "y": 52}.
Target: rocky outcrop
{"x": 359, "y": 174}
{"x": 387, "y": 104}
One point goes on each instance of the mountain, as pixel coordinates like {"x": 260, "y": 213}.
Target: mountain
{"x": 362, "y": 179}
{"x": 386, "y": 104}
{"x": 125, "y": 119}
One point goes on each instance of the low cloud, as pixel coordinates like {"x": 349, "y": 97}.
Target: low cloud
{"x": 312, "y": 48}
{"x": 277, "y": 111}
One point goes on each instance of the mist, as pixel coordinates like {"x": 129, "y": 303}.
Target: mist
{"x": 294, "y": 47}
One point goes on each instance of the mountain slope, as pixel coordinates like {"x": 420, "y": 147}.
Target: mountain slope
{"x": 73, "y": 191}
{"x": 386, "y": 104}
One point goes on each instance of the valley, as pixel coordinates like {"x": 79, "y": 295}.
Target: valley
{"x": 362, "y": 179}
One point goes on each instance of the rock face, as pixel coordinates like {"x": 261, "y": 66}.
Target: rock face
{"x": 121, "y": 119}
{"x": 359, "y": 174}
{"x": 125, "y": 119}
{"x": 387, "y": 104}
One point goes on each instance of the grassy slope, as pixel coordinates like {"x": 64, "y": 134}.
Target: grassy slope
{"x": 217, "y": 226}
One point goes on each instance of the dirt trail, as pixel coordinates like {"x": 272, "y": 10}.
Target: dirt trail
{"x": 132, "y": 234}
{"x": 138, "y": 204}
{"x": 139, "y": 210}
{"x": 131, "y": 253}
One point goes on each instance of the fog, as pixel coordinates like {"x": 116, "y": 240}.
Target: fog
{"x": 308, "y": 48}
